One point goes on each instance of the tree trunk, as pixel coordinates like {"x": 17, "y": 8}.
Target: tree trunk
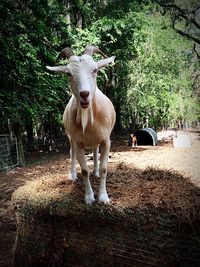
{"x": 79, "y": 23}
{"x": 117, "y": 127}
{"x": 30, "y": 135}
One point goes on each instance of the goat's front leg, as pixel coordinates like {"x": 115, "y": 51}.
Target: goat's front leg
{"x": 89, "y": 194}
{"x": 105, "y": 148}
{"x": 72, "y": 174}
{"x": 96, "y": 161}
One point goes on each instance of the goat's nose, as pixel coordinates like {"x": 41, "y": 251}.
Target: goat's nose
{"x": 84, "y": 94}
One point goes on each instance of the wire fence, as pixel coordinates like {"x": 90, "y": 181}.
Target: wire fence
{"x": 9, "y": 156}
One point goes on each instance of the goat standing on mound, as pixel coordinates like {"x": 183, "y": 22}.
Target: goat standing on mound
{"x": 89, "y": 117}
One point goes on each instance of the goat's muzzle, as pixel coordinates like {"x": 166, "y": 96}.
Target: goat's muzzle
{"x": 84, "y": 99}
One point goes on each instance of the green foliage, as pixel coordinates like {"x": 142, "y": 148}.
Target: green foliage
{"x": 29, "y": 92}
{"x": 150, "y": 82}
{"x": 160, "y": 85}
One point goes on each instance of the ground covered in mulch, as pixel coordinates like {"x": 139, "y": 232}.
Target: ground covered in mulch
{"x": 159, "y": 208}
{"x": 151, "y": 187}
{"x": 128, "y": 187}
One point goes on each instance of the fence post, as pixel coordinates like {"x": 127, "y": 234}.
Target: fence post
{"x": 20, "y": 150}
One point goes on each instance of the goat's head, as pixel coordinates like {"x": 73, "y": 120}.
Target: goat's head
{"x": 82, "y": 72}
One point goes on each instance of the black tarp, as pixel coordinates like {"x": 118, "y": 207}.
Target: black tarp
{"x": 146, "y": 137}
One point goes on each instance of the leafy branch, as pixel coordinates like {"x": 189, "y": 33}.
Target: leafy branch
{"x": 190, "y": 17}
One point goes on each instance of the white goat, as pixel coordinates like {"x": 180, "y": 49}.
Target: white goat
{"x": 89, "y": 117}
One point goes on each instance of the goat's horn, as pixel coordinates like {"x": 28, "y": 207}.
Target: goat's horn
{"x": 65, "y": 53}
{"x": 90, "y": 50}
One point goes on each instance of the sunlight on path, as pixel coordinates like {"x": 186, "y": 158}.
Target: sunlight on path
{"x": 184, "y": 160}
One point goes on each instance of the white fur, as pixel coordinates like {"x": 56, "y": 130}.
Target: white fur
{"x": 84, "y": 116}
{"x": 91, "y": 126}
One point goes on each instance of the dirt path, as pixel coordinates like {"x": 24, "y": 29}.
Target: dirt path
{"x": 184, "y": 160}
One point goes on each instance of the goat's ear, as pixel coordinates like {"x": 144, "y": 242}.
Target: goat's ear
{"x": 104, "y": 62}
{"x": 60, "y": 69}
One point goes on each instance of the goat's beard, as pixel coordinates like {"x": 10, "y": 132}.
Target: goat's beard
{"x": 84, "y": 116}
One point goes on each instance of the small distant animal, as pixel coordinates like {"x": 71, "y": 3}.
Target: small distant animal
{"x": 132, "y": 141}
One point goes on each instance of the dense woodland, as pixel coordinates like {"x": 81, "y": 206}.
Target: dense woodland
{"x": 155, "y": 81}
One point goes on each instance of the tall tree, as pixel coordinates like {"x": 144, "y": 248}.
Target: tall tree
{"x": 185, "y": 17}
{"x": 30, "y": 32}
{"x": 160, "y": 85}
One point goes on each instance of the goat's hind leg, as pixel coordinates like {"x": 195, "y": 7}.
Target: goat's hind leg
{"x": 96, "y": 161}
{"x": 72, "y": 173}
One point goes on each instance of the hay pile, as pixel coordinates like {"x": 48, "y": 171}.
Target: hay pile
{"x": 153, "y": 220}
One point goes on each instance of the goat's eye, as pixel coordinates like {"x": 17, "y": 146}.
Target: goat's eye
{"x": 95, "y": 70}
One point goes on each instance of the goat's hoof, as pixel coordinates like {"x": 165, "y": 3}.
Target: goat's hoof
{"x": 72, "y": 176}
{"x": 103, "y": 198}
{"x": 96, "y": 173}
{"x": 89, "y": 199}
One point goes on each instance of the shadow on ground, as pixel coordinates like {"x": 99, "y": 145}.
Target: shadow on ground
{"x": 153, "y": 220}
